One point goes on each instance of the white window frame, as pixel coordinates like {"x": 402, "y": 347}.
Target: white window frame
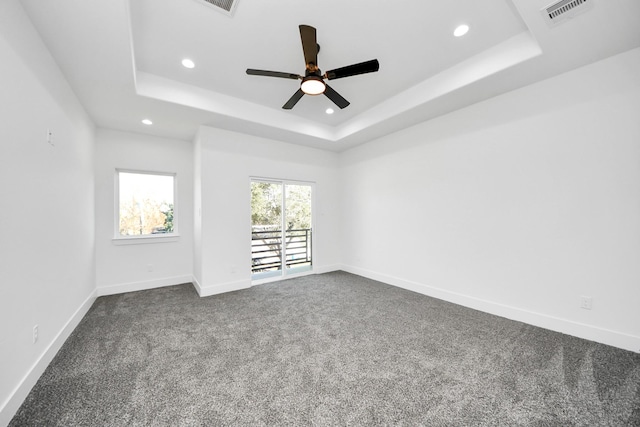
{"x": 119, "y": 239}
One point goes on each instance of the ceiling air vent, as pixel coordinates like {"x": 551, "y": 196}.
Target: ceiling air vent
{"x": 224, "y": 6}
{"x": 564, "y": 9}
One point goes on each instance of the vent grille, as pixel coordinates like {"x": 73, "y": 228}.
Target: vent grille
{"x": 561, "y": 10}
{"x": 224, "y": 6}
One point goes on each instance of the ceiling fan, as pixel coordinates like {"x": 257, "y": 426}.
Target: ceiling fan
{"x": 313, "y": 80}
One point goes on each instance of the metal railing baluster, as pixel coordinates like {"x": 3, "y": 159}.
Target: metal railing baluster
{"x": 267, "y": 246}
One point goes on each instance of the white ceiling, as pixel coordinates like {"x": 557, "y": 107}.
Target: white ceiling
{"x": 122, "y": 58}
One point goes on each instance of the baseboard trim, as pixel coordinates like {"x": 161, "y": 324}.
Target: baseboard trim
{"x": 221, "y": 288}
{"x": 326, "y": 268}
{"x": 196, "y": 285}
{"x": 19, "y": 394}
{"x": 205, "y": 291}
{"x": 565, "y": 326}
{"x": 141, "y": 286}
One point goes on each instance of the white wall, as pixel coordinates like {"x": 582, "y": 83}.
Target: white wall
{"x": 197, "y": 209}
{"x": 517, "y": 206}
{"x": 46, "y": 208}
{"x": 228, "y": 161}
{"x": 125, "y": 267}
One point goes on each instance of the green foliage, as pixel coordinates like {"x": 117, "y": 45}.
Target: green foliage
{"x": 266, "y": 204}
{"x": 168, "y": 219}
{"x": 298, "y": 207}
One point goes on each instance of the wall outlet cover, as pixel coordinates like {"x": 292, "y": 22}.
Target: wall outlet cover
{"x": 586, "y": 302}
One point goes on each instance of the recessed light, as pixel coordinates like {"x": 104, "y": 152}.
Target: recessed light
{"x": 187, "y": 63}
{"x": 147, "y": 122}
{"x": 461, "y": 30}
{"x": 329, "y": 111}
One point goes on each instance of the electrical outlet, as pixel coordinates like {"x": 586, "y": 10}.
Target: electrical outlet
{"x": 586, "y": 302}
{"x": 35, "y": 334}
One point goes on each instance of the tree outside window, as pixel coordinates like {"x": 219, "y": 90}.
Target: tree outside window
{"x": 146, "y": 203}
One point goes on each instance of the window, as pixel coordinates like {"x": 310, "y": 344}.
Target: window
{"x": 146, "y": 204}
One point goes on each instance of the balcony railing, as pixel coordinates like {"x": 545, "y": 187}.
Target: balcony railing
{"x": 266, "y": 249}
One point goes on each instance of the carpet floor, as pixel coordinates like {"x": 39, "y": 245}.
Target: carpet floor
{"x": 330, "y": 349}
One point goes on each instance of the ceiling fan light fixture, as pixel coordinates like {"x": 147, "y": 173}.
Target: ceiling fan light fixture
{"x": 313, "y": 85}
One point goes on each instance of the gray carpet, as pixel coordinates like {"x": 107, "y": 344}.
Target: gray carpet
{"x": 331, "y": 349}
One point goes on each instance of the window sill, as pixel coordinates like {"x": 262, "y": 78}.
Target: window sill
{"x": 143, "y": 240}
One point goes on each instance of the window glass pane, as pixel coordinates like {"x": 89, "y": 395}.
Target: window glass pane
{"x": 266, "y": 227}
{"x": 146, "y": 204}
{"x": 298, "y": 227}
{"x": 298, "y": 199}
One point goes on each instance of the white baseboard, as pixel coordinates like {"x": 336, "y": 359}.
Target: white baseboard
{"x": 196, "y": 285}
{"x": 565, "y": 326}
{"x": 141, "y": 286}
{"x": 220, "y": 288}
{"x": 19, "y": 394}
{"x": 326, "y": 268}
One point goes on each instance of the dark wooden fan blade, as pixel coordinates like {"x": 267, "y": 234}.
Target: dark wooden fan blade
{"x": 335, "y": 97}
{"x": 309, "y": 45}
{"x": 280, "y": 74}
{"x": 293, "y": 100}
{"x": 353, "y": 70}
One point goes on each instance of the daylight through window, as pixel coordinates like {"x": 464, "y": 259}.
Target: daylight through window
{"x": 146, "y": 203}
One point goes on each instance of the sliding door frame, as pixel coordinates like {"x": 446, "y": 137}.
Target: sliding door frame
{"x": 283, "y": 272}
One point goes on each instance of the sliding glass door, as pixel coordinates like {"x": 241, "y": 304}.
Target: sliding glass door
{"x": 281, "y": 228}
